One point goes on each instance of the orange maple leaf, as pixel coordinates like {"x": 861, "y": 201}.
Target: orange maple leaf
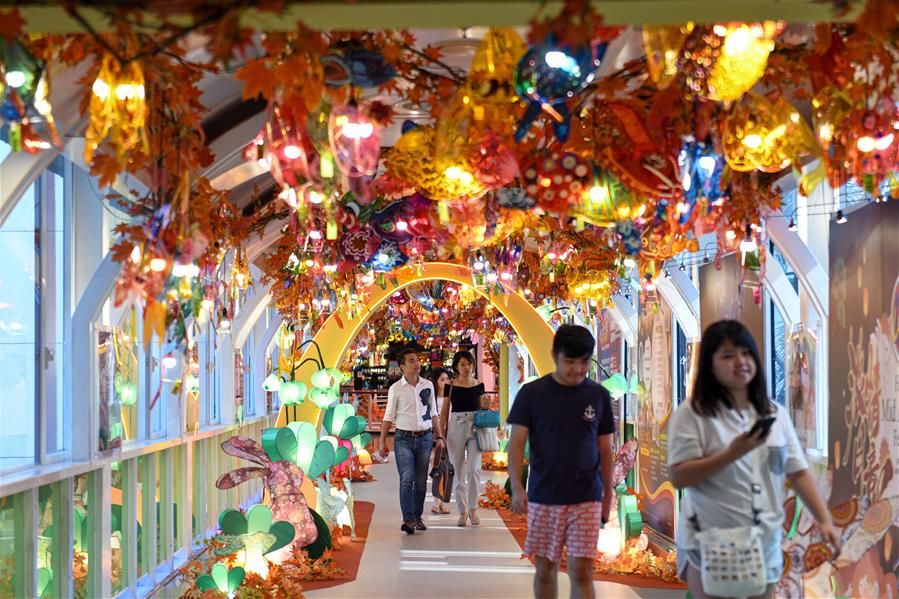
{"x": 11, "y": 23}
{"x": 259, "y": 80}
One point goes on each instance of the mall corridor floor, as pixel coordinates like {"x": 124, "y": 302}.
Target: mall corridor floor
{"x": 446, "y": 561}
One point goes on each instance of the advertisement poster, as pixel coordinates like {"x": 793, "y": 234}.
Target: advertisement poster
{"x": 803, "y": 403}
{"x": 863, "y": 419}
{"x": 608, "y": 346}
{"x": 724, "y": 294}
{"x": 654, "y": 409}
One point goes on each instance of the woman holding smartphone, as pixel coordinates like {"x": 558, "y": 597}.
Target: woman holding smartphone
{"x": 713, "y": 439}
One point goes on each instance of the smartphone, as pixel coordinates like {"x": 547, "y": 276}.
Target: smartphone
{"x": 762, "y": 426}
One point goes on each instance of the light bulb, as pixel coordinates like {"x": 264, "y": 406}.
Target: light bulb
{"x": 453, "y": 173}
{"x": 15, "y": 78}
{"x": 127, "y": 91}
{"x": 316, "y": 197}
{"x": 491, "y": 277}
{"x": 207, "y": 304}
{"x": 179, "y": 270}
{"x": 629, "y": 263}
{"x": 738, "y": 41}
{"x": 752, "y": 141}
{"x": 559, "y": 60}
{"x": 315, "y": 234}
{"x": 730, "y": 235}
{"x": 748, "y": 245}
{"x": 825, "y": 133}
{"x": 866, "y": 143}
{"x": 135, "y": 254}
{"x": 707, "y": 163}
{"x": 599, "y": 194}
{"x": 884, "y": 141}
{"x": 158, "y": 264}
{"x": 169, "y": 362}
{"x": 479, "y": 265}
{"x": 292, "y": 152}
{"x": 402, "y": 225}
{"x": 358, "y": 130}
{"x": 100, "y": 88}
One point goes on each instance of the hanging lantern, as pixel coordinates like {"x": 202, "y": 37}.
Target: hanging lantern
{"x": 292, "y": 392}
{"x": 742, "y": 59}
{"x": 21, "y": 73}
{"x": 606, "y": 201}
{"x": 490, "y": 78}
{"x": 556, "y": 181}
{"x": 870, "y": 142}
{"x": 701, "y": 170}
{"x": 118, "y": 108}
{"x": 551, "y": 73}
{"x": 662, "y": 45}
{"x": 764, "y": 135}
{"x": 355, "y": 140}
{"x": 288, "y": 150}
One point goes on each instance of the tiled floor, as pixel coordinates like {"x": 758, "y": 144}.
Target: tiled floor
{"x": 446, "y": 561}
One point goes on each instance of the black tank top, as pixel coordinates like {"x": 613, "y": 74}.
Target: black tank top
{"x": 466, "y": 399}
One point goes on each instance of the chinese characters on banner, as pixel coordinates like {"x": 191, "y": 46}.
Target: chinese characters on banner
{"x": 654, "y": 407}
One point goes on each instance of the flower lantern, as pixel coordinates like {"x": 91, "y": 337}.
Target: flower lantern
{"x": 292, "y": 392}
{"x": 256, "y": 535}
{"x": 221, "y": 579}
{"x": 118, "y": 108}
{"x": 355, "y": 140}
{"x": 551, "y": 73}
{"x": 606, "y": 201}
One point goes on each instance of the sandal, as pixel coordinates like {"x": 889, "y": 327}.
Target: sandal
{"x": 444, "y": 510}
{"x": 462, "y": 517}
{"x": 473, "y": 516}
{"x": 434, "y": 510}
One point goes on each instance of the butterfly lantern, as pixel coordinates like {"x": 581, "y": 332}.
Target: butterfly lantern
{"x": 549, "y": 75}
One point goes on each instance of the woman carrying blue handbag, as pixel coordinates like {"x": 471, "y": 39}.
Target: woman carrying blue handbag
{"x": 466, "y": 396}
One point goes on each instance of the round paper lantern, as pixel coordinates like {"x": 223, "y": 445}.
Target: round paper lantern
{"x": 288, "y": 149}
{"x": 606, "y": 201}
{"x": 869, "y": 141}
{"x": 556, "y": 181}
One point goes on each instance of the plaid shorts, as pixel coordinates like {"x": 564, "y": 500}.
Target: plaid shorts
{"x": 575, "y": 526}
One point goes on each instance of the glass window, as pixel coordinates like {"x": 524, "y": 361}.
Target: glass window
{"x": 249, "y": 389}
{"x": 56, "y": 404}
{"x": 778, "y": 356}
{"x": 163, "y": 373}
{"x": 117, "y": 503}
{"x": 215, "y": 395}
{"x": 20, "y": 297}
{"x": 784, "y": 265}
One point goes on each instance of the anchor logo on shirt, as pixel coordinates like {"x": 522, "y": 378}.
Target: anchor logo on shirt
{"x": 589, "y": 414}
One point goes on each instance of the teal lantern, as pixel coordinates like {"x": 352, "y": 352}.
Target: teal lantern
{"x": 292, "y": 392}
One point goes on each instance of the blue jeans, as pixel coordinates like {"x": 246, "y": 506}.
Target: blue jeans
{"x": 412, "y": 457}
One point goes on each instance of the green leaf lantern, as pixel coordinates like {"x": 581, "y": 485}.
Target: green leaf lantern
{"x": 256, "y": 534}
{"x": 271, "y": 383}
{"x": 322, "y": 379}
{"x": 221, "y": 579}
{"x": 128, "y": 393}
{"x": 545, "y": 311}
{"x": 44, "y": 578}
{"x": 323, "y": 398}
{"x": 292, "y": 392}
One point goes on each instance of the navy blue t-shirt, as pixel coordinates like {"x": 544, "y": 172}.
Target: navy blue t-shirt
{"x": 563, "y": 425}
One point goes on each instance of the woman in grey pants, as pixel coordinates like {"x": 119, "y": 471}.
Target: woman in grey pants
{"x": 465, "y": 398}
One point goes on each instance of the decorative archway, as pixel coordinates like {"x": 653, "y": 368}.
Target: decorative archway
{"x": 339, "y": 330}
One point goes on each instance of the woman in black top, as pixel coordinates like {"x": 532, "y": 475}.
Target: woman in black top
{"x": 465, "y": 396}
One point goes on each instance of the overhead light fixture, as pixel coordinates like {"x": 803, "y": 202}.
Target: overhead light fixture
{"x": 792, "y": 226}
{"x": 841, "y": 218}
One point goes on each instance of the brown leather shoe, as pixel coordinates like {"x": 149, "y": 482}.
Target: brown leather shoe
{"x": 408, "y": 527}
{"x": 420, "y": 525}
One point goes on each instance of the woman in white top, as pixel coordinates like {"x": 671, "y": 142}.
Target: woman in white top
{"x": 441, "y": 379}
{"x": 711, "y": 447}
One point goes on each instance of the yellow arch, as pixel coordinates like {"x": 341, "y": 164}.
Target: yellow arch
{"x": 339, "y": 330}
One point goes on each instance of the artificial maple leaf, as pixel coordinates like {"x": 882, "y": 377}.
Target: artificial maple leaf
{"x": 11, "y": 24}
{"x": 258, "y": 79}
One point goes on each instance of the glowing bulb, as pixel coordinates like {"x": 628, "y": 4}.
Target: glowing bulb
{"x": 100, "y": 88}
{"x": 15, "y": 78}
{"x": 738, "y": 41}
{"x": 866, "y": 143}
{"x": 825, "y": 132}
{"x": 629, "y": 263}
{"x": 683, "y": 207}
{"x": 752, "y": 141}
{"x": 730, "y": 235}
{"x": 884, "y": 141}
{"x": 559, "y": 60}
{"x": 552, "y": 255}
{"x": 506, "y": 276}
{"x": 316, "y": 197}
{"x": 479, "y": 265}
{"x": 127, "y": 91}
{"x": 708, "y": 164}
{"x": 289, "y": 196}
{"x": 358, "y": 130}
{"x": 598, "y": 194}
{"x": 315, "y": 234}
{"x": 224, "y": 324}
{"x": 491, "y": 277}
{"x": 841, "y": 218}
{"x": 292, "y": 152}
{"x": 402, "y": 225}
{"x": 158, "y": 264}
{"x": 453, "y": 173}
{"x": 207, "y": 304}
{"x": 169, "y": 362}
{"x": 383, "y": 258}
{"x": 310, "y": 262}
{"x": 135, "y": 254}
{"x": 748, "y": 245}
{"x": 792, "y": 226}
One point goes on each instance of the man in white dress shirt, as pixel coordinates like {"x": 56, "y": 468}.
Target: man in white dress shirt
{"x": 411, "y": 405}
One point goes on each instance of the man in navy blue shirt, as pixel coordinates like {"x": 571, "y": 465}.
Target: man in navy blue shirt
{"x": 569, "y": 421}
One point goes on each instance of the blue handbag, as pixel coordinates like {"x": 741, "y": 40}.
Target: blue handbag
{"x": 486, "y": 419}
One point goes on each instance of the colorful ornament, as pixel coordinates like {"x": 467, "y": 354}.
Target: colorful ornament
{"x": 118, "y": 108}
{"x": 607, "y": 201}
{"x": 759, "y": 134}
{"x": 355, "y": 140}
{"x": 556, "y": 181}
{"x": 701, "y": 170}
{"x": 869, "y": 142}
{"x": 550, "y": 74}
{"x": 743, "y": 58}
{"x": 288, "y": 149}
{"x": 662, "y": 45}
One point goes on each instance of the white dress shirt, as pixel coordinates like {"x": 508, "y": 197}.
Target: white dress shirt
{"x": 405, "y": 408}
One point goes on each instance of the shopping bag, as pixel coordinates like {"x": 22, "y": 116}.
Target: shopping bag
{"x": 442, "y": 475}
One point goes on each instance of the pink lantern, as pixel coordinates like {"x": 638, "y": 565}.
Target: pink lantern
{"x": 355, "y": 140}
{"x": 288, "y": 149}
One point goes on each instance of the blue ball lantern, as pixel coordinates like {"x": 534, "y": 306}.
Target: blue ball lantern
{"x": 551, "y": 73}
